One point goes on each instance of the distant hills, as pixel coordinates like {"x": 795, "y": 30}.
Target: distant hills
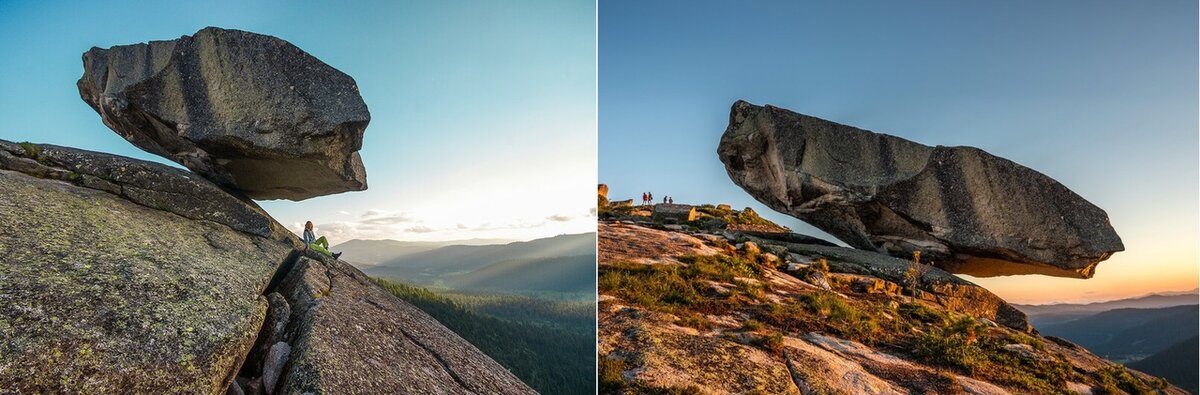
{"x": 1047, "y": 314}
{"x": 373, "y": 252}
{"x": 559, "y": 264}
{"x": 1171, "y": 364}
{"x": 1156, "y": 333}
{"x": 1126, "y": 335}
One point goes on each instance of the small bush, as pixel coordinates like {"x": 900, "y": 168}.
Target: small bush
{"x": 657, "y": 287}
{"x": 921, "y": 313}
{"x": 848, "y": 320}
{"x": 693, "y": 320}
{"x": 915, "y": 272}
{"x": 719, "y": 267}
{"x": 752, "y": 326}
{"x": 1115, "y": 378}
{"x": 772, "y": 342}
{"x": 31, "y": 150}
{"x": 612, "y": 375}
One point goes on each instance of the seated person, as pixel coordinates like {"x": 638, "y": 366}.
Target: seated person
{"x": 317, "y": 244}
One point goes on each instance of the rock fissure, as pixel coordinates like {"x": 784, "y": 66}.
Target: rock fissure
{"x": 439, "y": 359}
{"x": 257, "y": 365}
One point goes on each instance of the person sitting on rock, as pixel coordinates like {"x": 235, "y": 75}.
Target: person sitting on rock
{"x": 317, "y": 244}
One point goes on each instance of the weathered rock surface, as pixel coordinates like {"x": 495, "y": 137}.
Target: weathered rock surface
{"x": 103, "y": 295}
{"x": 674, "y": 213}
{"x": 125, "y": 276}
{"x": 685, "y": 325}
{"x": 938, "y": 286}
{"x": 968, "y": 211}
{"x": 354, "y": 337}
{"x": 618, "y": 242}
{"x": 146, "y": 183}
{"x": 248, "y": 111}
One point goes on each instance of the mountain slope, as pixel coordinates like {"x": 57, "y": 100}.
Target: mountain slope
{"x": 1177, "y": 363}
{"x": 687, "y": 309}
{"x": 362, "y": 253}
{"x": 1125, "y": 335}
{"x": 430, "y": 266}
{"x": 551, "y": 360}
{"x": 569, "y": 274}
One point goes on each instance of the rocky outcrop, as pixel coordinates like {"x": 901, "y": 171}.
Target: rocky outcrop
{"x": 125, "y": 276}
{"x": 248, "y": 111}
{"x": 674, "y": 213}
{"x": 684, "y": 311}
{"x": 103, "y": 294}
{"x": 968, "y": 211}
{"x": 350, "y": 336}
{"x": 937, "y": 285}
{"x": 146, "y": 183}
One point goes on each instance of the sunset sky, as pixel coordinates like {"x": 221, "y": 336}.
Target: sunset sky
{"x": 1100, "y": 95}
{"x": 483, "y": 113}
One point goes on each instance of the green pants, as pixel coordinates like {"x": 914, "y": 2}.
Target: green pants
{"x": 321, "y": 246}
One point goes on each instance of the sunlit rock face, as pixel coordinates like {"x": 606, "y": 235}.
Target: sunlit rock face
{"x": 248, "y": 111}
{"x": 966, "y": 210}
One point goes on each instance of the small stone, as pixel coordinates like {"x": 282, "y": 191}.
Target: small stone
{"x": 273, "y": 366}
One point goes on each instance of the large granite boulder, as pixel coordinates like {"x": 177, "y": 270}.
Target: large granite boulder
{"x": 968, "y": 211}
{"x": 248, "y": 111}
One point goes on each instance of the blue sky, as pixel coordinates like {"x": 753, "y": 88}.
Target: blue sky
{"x": 483, "y": 113}
{"x": 1100, "y": 95}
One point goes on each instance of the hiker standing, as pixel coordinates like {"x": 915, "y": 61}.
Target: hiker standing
{"x": 643, "y": 198}
{"x": 649, "y": 198}
{"x": 670, "y": 200}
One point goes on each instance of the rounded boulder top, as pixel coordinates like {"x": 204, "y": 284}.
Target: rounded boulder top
{"x": 248, "y": 111}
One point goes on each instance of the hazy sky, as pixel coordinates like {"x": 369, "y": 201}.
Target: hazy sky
{"x": 483, "y": 113}
{"x": 1100, "y": 95}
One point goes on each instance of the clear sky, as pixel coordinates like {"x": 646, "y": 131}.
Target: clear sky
{"x": 483, "y": 112}
{"x": 1100, "y": 95}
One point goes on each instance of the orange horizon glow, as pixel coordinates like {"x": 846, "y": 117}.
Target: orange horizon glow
{"x": 1167, "y": 263}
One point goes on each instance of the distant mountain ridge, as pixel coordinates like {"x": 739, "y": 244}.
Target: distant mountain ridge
{"x": 563, "y": 263}
{"x": 1049, "y": 314}
{"x": 363, "y": 252}
{"x": 1126, "y": 335}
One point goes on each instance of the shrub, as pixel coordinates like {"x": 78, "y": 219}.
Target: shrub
{"x": 846, "y": 319}
{"x": 693, "y": 320}
{"x": 772, "y": 342}
{"x": 752, "y": 326}
{"x": 921, "y": 313}
{"x": 657, "y": 287}
{"x": 719, "y": 267}
{"x": 938, "y": 347}
{"x": 612, "y": 375}
{"x": 31, "y": 150}
{"x": 912, "y": 276}
{"x": 1115, "y": 378}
